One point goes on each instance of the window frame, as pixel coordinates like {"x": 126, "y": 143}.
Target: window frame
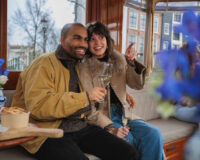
{"x": 96, "y": 10}
{"x": 155, "y": 45}
{"x": 13, "y": 75}
{"x": 134, "y": 46}
{"x": 175, "y": 36}
{"x": 155, "y": 25}
{"x": 165, "y": 45}
{"x": 134, "y": 23}
{"x": 141, "y": 43}
{"x": 142, "y": 21}
{"x": 174, "y": 16}
{"x": 166, "y": 28}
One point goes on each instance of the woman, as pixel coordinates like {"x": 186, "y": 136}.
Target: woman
{"x": 126, "y": 70}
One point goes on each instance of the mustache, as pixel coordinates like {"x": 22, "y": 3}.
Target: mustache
{"x": 81, "y": 48}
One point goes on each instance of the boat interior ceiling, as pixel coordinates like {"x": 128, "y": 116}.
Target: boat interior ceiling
{"x": 162, "y": 5}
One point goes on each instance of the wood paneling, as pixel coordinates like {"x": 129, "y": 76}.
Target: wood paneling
{"x": 14, "y": 142}
{"x": 93, "y": 10}
{"x": 174, "y": 150}
{"x": 109, "y": 12}
{"x": 12, "y": 80}
{"x": 3, "y": 29}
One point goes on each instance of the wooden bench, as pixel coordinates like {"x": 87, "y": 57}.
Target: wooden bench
{"x": 174, "y": 132}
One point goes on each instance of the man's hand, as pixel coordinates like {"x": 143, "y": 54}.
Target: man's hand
{"x": 130, "y": 53}
{"x": 130, "y": 100}
{"x": 120, "y": 132}
{"x": 97, "y": 94}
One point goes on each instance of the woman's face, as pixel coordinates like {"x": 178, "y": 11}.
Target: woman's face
{"x": 98, "y": 45}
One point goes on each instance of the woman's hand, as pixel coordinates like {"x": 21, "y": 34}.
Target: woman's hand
{"x": 130, "y": 100}
{"x": 130, "y": 53}
{"x": 120, "y": 132}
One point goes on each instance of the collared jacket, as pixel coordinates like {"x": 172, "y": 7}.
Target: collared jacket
{"x": 42, "y": 89}
{"x": 131, "y": 74}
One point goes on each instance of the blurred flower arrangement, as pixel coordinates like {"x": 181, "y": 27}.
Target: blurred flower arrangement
{"x": 3, "y": 74}
{"x": 3, "y": 79}
{"x": 180, "y": 77}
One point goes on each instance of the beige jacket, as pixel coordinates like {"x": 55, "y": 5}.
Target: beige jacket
{"x": 123, "y": 74}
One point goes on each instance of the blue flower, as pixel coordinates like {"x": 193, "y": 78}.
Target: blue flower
{"x": 181, "y": 67}
{"x": 3, "y": 71}
{"x": 1, "y": 62}
{"x": 3, "y": 74}
{"x": 170, "y": 90}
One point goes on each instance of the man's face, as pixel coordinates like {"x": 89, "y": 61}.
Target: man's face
{"x": 76, "y": 42}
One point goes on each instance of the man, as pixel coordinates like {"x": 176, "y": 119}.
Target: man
{"x": 50, "y": 89}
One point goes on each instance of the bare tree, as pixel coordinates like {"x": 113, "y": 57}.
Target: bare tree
{"x": 79, "y": 9}
{"x": 9, "y": 31}
{"x": 30, "y": 20}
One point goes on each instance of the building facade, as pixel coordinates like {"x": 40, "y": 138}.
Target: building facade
{"x": 169, "y": 37}
{"x": 18, "y": 57}
{"x": 136, "y": 24}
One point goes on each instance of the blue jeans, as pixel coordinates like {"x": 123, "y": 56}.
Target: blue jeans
{"x": 142, "y": 135}
{"x": 186, "y": 113}
{"x": 191, "y": 149}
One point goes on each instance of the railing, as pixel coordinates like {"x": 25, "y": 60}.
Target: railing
{"x": 19, "y": 63}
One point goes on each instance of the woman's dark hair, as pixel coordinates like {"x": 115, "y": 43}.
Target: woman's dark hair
{"x": 101, "y": 29}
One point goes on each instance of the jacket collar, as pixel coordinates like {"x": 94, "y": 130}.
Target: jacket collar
{"x": 116, "y": 58}
{"x": 62, "y": 55}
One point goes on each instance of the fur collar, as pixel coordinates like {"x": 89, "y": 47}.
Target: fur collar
{"x": 117, "y": 59}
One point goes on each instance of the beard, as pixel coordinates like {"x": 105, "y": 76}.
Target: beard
{"x": 77, "y": 52}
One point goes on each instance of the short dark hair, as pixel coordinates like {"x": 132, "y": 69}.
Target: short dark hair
{"x": 67, "y": 27}
{"x": 100, "y": 29}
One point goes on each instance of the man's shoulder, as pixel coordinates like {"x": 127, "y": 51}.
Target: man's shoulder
{"x": 43, "y": 61}
{"x": 46, "y": 56}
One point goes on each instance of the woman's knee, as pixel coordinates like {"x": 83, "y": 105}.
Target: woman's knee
{"x": 155, "y": 134}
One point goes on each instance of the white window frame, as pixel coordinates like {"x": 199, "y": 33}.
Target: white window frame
{"x": 135, "y": 23}
{"x": 155, "y": 45}
{"x": 141, "y": 43}
{"x": 166, "y": 28}
{"x": 155, "y": 25}
{"x": 174, "y": 15}
{"x": 177, "y": 42}
{"x": 165, "y": 45}
{"x": 174, "y": 36}
{"x": 142, "y": 21}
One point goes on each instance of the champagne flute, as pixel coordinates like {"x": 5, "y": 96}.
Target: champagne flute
{"x": 124, "y": 117}
{"x": 102, "y": 79}
{"x": 124, "y": 120}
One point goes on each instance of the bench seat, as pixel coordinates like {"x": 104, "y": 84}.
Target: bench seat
{"x": 171, "y": 129}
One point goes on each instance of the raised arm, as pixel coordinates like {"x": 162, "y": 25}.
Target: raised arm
{"x": 136, "y": 71}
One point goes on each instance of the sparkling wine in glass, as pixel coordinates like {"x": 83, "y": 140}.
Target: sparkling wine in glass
{"x": 105, "y": 76}
{"x": 105, "y": 80}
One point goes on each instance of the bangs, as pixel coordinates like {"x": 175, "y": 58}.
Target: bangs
{"x": 98, "y": 29}
{"x": 99, "y": 33}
